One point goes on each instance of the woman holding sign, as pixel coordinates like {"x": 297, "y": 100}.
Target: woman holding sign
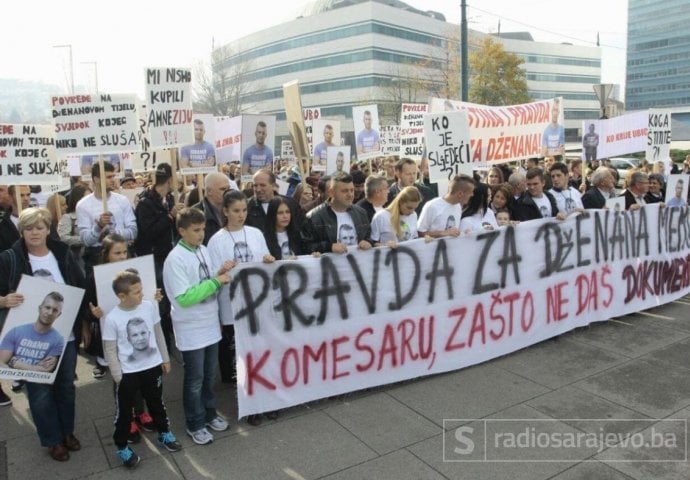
{"x": 52, "y": 406}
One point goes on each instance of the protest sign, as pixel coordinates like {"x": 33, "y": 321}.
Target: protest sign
{"x": 200, "y": 155}
{"x": 286, "y": 150}
{"x": 367, "y": 138}
{"x": 502, "y": 134}
{"x": 615, "y": 136}
{"x": 412, "y": 130}
{"x": 258, "y": 138}
{"x": 659, "y": 136}
{"x": 37, "y": 331}
{"x": 327, "y": 134}
{"x": 310, "y": 114}
{"x": 325, "y": 326}
{"x": 677, "y": 191}
{"x": 169, "y": 106}
{"x": 28, "y": 155}
{"x": 338, "y": 160}
{"x": 390, "y": 140}
{"x": 96, "y": 123}
{"x": 148, "y": 158}
{"x": 105, "y": 273}
{"x": 448, "y": 145}
{"x": 86, "y": 163}
{"x": 228, "y": 138}
{"x": 294, "y": 117}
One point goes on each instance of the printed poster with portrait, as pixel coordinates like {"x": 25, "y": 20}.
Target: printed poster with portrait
{"x": 326, "y": 134}
{"x": 367, "y": 128}
{"x": 338, "y": 160}
{"x": 105, "y": 273}
{"x": 677, "y": 191}
{"x": 117, "y": 160}
{"x": 200, "y": 156}
{"x": 37, "y": 331}
{"x": 258, "y": 140}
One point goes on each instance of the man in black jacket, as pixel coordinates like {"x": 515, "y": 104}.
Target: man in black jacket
{"x": 603, "y": 187}
{"x": 264, "y": 182}
{"x": 406, "y": 175}
{"x": 9, "y": 214}
{"x": 336, "y": 225}
{"x": 535, "y": 202}
{"x": 376, "y": 192}
{"x": 215, "y": 185}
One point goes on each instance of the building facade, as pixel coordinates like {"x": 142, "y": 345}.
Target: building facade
{"x": 356, "y": 52}
{"x": 658, "y": 59}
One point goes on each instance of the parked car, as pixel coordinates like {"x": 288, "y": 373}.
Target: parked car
{"x": 622, "y": 165}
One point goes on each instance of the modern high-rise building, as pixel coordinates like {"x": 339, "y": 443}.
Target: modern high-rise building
{"x": 658, "y": 63}
{"x": 355, "y": 52}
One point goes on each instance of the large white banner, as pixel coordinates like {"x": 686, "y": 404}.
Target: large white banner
{"x": 412, "y": 130}
{"x": 615, "y": 136}
{"x": 512, "y": 132}
{"x": 28, "y": 155}
{"x": 169, "y": 107}
{"x": 37, "y": 331}
{"x": 318, "y": 327}
{"x": 96, "y": 123}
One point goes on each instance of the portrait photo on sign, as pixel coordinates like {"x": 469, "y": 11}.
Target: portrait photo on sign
{"x": 200, "y": 156}
{"x": 326, "y": 134}
{"x": 367, "y": 135}
{"x": 677, "y": 191}
{"x": 36, "y": 332}
{"x": 338, "y": 160}
{"x": 105, "y": 273}
{"x": 86, "y": 163}
{"x": 258, "y": 142}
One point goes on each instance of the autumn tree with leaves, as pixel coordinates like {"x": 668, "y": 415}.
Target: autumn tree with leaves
{"x": 497, "y": 77}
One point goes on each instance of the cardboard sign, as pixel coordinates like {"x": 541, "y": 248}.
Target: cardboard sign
{"x": 28, "y": 155}
{"x": 169, "y": 107}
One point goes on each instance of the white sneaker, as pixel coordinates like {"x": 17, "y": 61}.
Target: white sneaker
{"x": 201, "y": 436}
{"x": 219, "y": 424}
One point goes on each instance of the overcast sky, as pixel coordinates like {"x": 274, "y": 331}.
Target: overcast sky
{"x": 127, "y": 36}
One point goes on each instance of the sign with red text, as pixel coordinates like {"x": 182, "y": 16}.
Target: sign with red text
{"x": 169, "y": 107}
{"x": 325, "y": 326}
{"x": 96, "y": 123}
{"x": 28, "y": 155}
{"x": 615, "y": 136}
{"x": 412, "y": 130}
{"x": 504, "y": 134}
{"x": 448, "y": 145}
{"x": 228, "y": 138}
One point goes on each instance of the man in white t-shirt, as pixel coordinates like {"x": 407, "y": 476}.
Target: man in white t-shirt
{"x": 535, "y": 203}
{"x": 441, "y": 216}
{"x": 568, "y": 199}
{"x": 94, "y": 224}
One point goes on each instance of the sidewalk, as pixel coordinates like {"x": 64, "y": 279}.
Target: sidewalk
{"x": 635, "y": 367}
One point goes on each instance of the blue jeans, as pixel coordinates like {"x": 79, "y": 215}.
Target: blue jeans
{"x": 198, "y": 399}
{"x": 52, "y": 406}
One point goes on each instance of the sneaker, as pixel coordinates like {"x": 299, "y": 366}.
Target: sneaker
{"x": 17, "y": 386}
{"x": 128, "y": 457}
{"x": 168, "y": 440}
{"x": 4, "y": 399}
{"x": 219, "y": 424}
{"x": 134, "y": 435}
{"x": 201, "y": 436}
{"x": 99, "y": 371}
{"x": 145, "y": 421}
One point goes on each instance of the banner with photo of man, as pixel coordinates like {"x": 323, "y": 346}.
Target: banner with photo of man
{"x": 37, "y": 331}
{"x": 326, "y": 133}
{"x": 258, "y": 140}
{"x": 200, "y": 155}
{"x": 367, "y": 127}
{"x": 614, "y": 136}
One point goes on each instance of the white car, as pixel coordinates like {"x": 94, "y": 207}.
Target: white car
{"x": 622, "y": 165}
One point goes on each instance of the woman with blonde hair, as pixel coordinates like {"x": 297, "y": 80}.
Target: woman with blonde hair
{"x": 397, "y": 222}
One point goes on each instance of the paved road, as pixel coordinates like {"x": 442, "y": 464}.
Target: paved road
{"x": 635, "y": 367}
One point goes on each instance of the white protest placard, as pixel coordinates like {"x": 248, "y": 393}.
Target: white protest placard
{"x": 169, "y": 107}
{"x": 105, "y": 273}
{"x": 28, "y": 155}
{"x": 286, "y": 150}
{"x": 310, "y": 114}
{"x": 96, "y": 123}
{"x": 37, "y": 331}
{"x": 200, "y": 155}
{"x": 616, "y": 203}
{"x": 338, "y": 160}
{"x": 390, "y": 140}
{"x": 258, "y": 138}
{"x": 448, "y": 145}
{"x": 148, "y": 158}
{"x": 412, "y": 130}
{"x": 502, "y": 134}
{"x": 326, "y": 134}
{"x": 367, "y": 138}
{"x": 228, "y": 139}
{"x": 368, "y": 318}
{"x": 615, "y": 136}
{"x": 659, "y": 136}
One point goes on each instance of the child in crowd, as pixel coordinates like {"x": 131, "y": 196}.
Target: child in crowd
{"x": 397, "y": 222}
{"x": 135, "y": 349}
{"x": 114, "y": 249}
{"x": 237, "y": 243}
{"x": 503, "y": 217}
{"x": 194, "y": 310}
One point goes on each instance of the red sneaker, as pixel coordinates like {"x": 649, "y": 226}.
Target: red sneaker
{"x": 145, "y": 421}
